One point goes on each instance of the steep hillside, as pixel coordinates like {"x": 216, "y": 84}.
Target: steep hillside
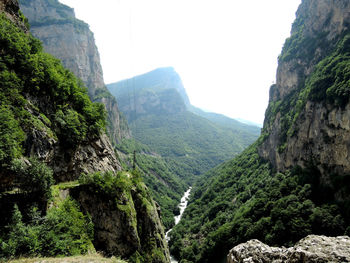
{"x": 62, "y": 191}
{"x": 294, "y": 180}
{"x": 158, "y": 111}
{"x": 246, "y": 131}
{"x": 71, "y": 41}
{"x": 166, "y": 186}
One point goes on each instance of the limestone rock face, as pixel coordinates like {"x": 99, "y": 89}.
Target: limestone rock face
{"x": 68, "y": 162}
{"x": 317, "y": 249}
{"x": 11, "y": 9}
{"x": 93, "y": 156}
{"x": 71, "y": 40}
{"x": 156, "y": 92}
{"x": 321, "y": 130}
{"x": 125, "y": 225}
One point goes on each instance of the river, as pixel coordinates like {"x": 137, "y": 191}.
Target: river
{"x": 182, "y": 206}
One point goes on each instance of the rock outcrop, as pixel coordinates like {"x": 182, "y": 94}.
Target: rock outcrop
{"x": 160, "y": 90}
{"x": 68, "y": 162}
{"x": 71, "y": 40}
{"x": 11, "y": 9}
{"x": 302, "y": 128}
{"x": 125, "y": 226}
{"x": 317, "y": 249}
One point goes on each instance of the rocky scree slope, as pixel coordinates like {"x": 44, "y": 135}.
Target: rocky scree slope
{"x": 294, "y": 180}
{"x": 51, "y": 135}
{"x": 71, "y": 40}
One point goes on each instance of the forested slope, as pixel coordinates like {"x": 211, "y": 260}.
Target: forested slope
{"x": 62, "y": 191}
{"x": 294, "y": 180}
{"x": 161, "y": 117}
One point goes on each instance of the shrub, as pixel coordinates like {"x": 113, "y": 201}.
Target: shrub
{"x": 33, "y": 176}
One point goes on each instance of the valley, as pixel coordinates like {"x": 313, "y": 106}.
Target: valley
{"x": 133, "y": 172}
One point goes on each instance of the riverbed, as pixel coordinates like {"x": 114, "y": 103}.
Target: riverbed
{"x": 182, "y": 206}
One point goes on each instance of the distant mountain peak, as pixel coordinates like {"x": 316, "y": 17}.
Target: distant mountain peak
{"x": 164, "y": 78}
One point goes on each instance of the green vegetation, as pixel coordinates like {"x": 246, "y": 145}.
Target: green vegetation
{"x": 190, "y": 144}
{"x": 165, "y": 186}
{"x": 33, "y": 176}
{"x": 26, "y": 72}
{"x": 65, "y": 113}
{"x": 63, "y": 231}
{"x": 131, "y": 196}
{"x": 331, "y": 80}
{"x": 91, "y": 258}
{"x": 327, "y": 84}
{"x": 41, "y": 100}
{"x": 244, "y": 199}
{"x": 11, "y": 136}
{"x": 108, "y": 183}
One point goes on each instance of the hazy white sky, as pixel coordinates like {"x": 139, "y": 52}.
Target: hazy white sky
{"x": 224, "y": 50}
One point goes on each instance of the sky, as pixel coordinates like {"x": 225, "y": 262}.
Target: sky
{"x": 225, "y": 51}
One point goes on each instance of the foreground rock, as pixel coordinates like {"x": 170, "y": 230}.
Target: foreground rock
{"x": 310, "y": 249}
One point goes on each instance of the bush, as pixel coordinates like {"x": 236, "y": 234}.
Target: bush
{"x": 67, "y": 230}
{"x": 27, "y": 72}
{"x": 11, "y": 136}
{"x": 33, "y": 176}
{"x": 63, "y": 231}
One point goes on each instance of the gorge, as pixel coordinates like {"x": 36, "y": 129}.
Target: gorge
{"x": 90, "y": 168}
{"x": 182, "y": 206}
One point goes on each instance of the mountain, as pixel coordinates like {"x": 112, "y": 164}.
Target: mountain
{"x": 62, "y": 189}
{"x": 238, "y": 126}
{"x": 294, "y": 180}
{"x": 71, "y": 40}
{"x": 161, "y": 117}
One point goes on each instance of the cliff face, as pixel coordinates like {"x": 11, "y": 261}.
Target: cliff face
{"x": 10, "y": 8}
{"x": 157, "y": 92}
{"x": 127, "y": 225}
{"x": 68, "y": 163}
{"x": 305, "y": 123}
{"x": 71, "y": 40}
{"x": 51, "y": 132}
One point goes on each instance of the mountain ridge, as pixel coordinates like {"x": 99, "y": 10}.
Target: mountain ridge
{"x": 161, "y": 118}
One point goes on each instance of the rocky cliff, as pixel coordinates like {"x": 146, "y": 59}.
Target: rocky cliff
{"x": 52, "y": 137}
{"x": 71, "y": 40}
{"x": 161, "y": 116}
{"x": 160, "y": 90}
{"x": 11, "y": 9}
{"x": 126, "y": 221}
{"x": 311, "y": 249}
{"x": 294, "y": 181}
{"x": 304, "y": 123}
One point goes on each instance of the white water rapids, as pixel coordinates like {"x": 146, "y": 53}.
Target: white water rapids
{"x": 182, "y": 206}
